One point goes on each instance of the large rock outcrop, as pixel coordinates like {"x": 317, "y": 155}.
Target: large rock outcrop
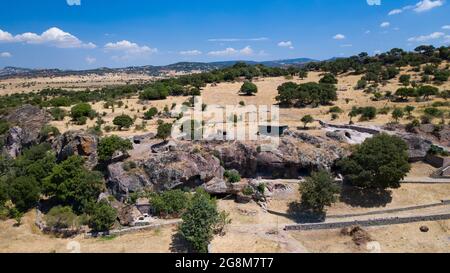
{"x": 165, "y": 171}
{"x": 418, "y": 146}
{"x": 77, "y": 143}
{"x": 26, "y": 124}
{"x": 297, "y": 154}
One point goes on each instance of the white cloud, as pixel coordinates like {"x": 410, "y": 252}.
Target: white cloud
{"x": 246, "y": 51}
{"x": 427, "y": 5}
{"x": 421, "y": 6}
{"x": 53, "y": 36}
{"x": 74, "y": 2}
{"x": 424, "y": 38}
{"x": 5, "y": 55}
{"x": 446, "y": 27}
{"x": 395, "y": 11}
{"x": 129, "y": 50}
{"x": 224, "y": 40}
{"x": 286, "y": 44}
{"x": 385, "y": 24}
{"x": 194, "y": 52}
{"x": 90, "y": 60}
{"x": 339, "y": 37}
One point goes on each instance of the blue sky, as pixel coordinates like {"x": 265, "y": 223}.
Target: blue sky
{"x": 81, "y": 34}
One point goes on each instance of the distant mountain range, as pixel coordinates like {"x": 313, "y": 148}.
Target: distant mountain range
{"x": 187, "y": 67}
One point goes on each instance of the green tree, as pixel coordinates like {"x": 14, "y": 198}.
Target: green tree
{"x": 380, "y": 162}
{"x": 151, "y": 113}
{"x": 101, "y": 216}
{"x": 249, "y": 88}
{"x": 409, "y": 109}
{"x": 306, "y": 120}
{"x": 328, "y": 79}
{"x": 123, "y": 121}
{"x": 426, "y": 91}
{"x": 319, "y": 191}
{"x": 170, "y": 203}
{"x": 405, "y": 80}
{"x": 164, "y": 131}
{"x": 24, "y": 192}
{"x": 397, "y": 114}
{"x": 82, "y": 110}
{"x": 109, "y": 145}
{"x": 199, "y": 221}
{"x": 71, "y": 184}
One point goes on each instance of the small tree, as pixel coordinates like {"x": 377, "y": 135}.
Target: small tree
{"x": 328, "y": 79}
{"x": 109, "y": 145}
{"x": 24, "y": 193}
{"x": 306, "y": 120}
{"x": 199, "y": 221}
{"x": 398, "y": 114}
{"x": 101, "y": 216}
{"x": 319, "y": 191}
{"x": 123, "y": 121}
{"x": 249, "y": 88}
{"x": 405, "y": 80}
{"x": 409, "y": 109}
{"x": 232, "y": 176}
{"x": 82, "y": 110}
{"x": 170, "y": 203}
{"x": 151, "y": 113}
{"x": 164, "y": 131}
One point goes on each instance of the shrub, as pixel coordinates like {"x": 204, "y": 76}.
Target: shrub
{"x": 4, "y": 127}
{"x": 151, "y": 113}
{"x": 380, "y": 162}
{"x": 319, "y": 191}
{"x": 123, "y": 121}
{"x": 61, "y": 217}
{"x": 109, "y": 145}
{"x": 335, "y": 109}
{"x": 58, "y": 113}
{"x": 248, "y": 191}
{"x": 164, "y": 130}
{"x": 101, "y": 216}
{"x": 328, "y": 79}
{"x": 170, "y": 203}
{"x": 306, "y": 120}
{"x": 81, "y": 110}
{"x": 434, "y": 112}
{"x": 155, "y": 92}
{"x": 367, "y": 113}
{"x": 398, "y": 114}
{"x": 232, "y": 176}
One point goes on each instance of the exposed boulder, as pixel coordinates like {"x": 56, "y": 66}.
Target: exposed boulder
{"x": 77, "y": 143}
{"x": 418, "y": 146}
{"x": 217, "y": 186}
{"x": 27, "y": 122}
{"x": 337, "y": 135}
{"x": 174, "y": 169}
{"x": 294, "y": 156}
{"x": 128, "y": 214}
{"x": 121, "y": 183}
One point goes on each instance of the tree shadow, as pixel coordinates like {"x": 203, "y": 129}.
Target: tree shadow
{"x": 180, "y": 245}
{"x": 366, "y": 198}
{"x": 301, "y": 214}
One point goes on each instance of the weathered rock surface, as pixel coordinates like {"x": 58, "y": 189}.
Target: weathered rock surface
{"x": 166, "y": 171}
{"x": 295, "y": 155}
{"x": 217, "y": 186}
{"x": 77, "y": 143}
{"x": 26, "y": 123}
{"x": 128, "y": 214}
{"x": 417, "y": 145}
{"x": 171, "y": 170}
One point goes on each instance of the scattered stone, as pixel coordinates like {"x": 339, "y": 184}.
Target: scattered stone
{"x": 359, "y": 235}
{"x": 424, "y": 229}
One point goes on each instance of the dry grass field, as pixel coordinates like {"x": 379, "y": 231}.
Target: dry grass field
{"x": 254, "y": 231}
